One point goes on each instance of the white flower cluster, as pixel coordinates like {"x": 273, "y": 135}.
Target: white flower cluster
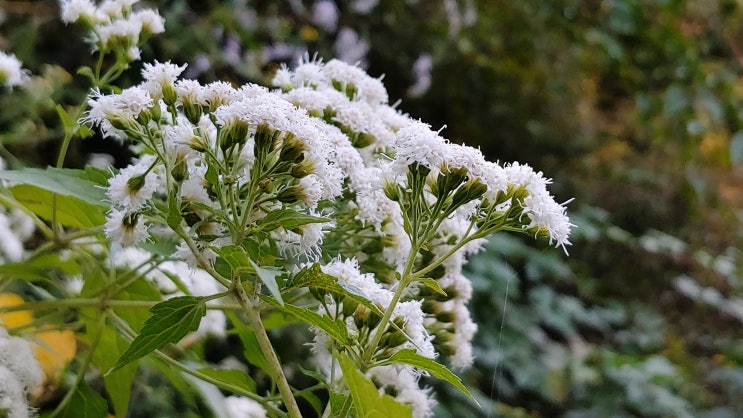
{"x": 20, "y": 375}
{"x": 223, "y": 165}
{"x": 11, "y": 70}
{"x": 113, "y": 24}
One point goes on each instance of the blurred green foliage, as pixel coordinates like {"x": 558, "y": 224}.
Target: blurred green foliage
{"x": 634, "y": 107}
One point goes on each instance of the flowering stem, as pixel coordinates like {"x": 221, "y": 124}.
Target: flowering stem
{"x": 272, "y": 360}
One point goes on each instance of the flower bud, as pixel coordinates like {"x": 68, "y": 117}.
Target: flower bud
{"x": 292, "y": 149}
{"x": 193, "y": 112}
{"x": 180, "y": 170}
{"x": 468, "y": 192}
{"x": 135, "y": 183}
{"x": 291, "y": 194}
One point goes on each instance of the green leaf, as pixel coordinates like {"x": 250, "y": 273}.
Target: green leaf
{"x": 67, "y": 121}
{"x": 38, "y": 267}
{"x": 366, "y": 398}
{"x": 71, "y": 211}
{"x": 236, "y": 378}
{"x": 289, "y": 219}
{"x": 171, "y": 320}
{"x": 336, "y": 330}
{"x": 314, "y": 278}
{"x": 411, "y": 357}
{"x": 62, "y": 181}
{"x": 268, "y": 277}
{"x": 119, "y": 383}
{"x": 433, "y": 285}
{"x": 85, "y": 403}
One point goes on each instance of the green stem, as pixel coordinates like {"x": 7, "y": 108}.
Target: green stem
{"x": 273, "y": 363}
{"x": 92, "y": 302}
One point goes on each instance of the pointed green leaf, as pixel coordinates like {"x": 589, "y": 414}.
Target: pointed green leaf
{"x": 433, "y": 285}
{"x": 268, "y": 277}
{"x": 366, "y": 398}
{"x": 171, "y": 320}
{"x": 411, "y": 357}
{"x": 314, "y": 278}
{"x": 237, "y": 378}
{"x": 336, "y": 330}
{"x": 71, "y": 211}
{"x": 62, "y": 181}
{"x": 288, "y": 219}
{"x": 67, "y": 121}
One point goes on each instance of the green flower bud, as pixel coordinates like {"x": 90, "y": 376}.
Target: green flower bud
{"x": 292, "y": 149}
{"x": 135, "y": 183}
{"x": 180, "y": 170}
{"x": 362, "y": 139}
{"x": 291, "y": 194}
{"x": 235, "y": 133}
{"x": 468, "y": 192}
{"x": 193, "y": 112}
{"x": 170, "y": 96}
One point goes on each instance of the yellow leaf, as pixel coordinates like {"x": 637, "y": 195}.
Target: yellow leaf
{"x": 17, "y": 318}
{"x": 54, "y": 350}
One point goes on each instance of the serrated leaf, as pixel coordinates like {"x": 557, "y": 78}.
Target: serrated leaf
{"x": 85, "y": 403}
{"x": 62, "y": 181}
{"x": 289, "y": 219}
{"x": 366, "y": 398}
{"x": 433, "y": 285}
{"x": 236, "y": 378}
{"x": 71, "y": 211}
{"x": 171, "y": 320}
{"x": 411, "y": 357}
{"x": 268, "y": 277}
{"x": 336, "y": 330}
{"x": 314, "y": 278}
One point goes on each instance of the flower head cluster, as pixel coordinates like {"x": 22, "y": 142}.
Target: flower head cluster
{"x": 11, "y": 70}
{"x": 323, "y": 170}
{"x": 20, "y": 375}
{"x": 114, "y": 25}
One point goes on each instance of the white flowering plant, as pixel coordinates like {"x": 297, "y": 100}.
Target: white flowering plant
{"x": 313, "y": 202}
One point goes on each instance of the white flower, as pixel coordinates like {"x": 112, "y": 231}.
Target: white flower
{"x": 151, "y": 21}
{"x": 369, "y": 89}
{"x": 17, "y": 357}
{"x": 546, "y": 215}
{"x": 160, "y": 78}
{"x": 73, "y": 10}
{"x": 116, "y": 8}
{"x": 300, "y": 247}
{"x": 120, "y": 33}
{"x": 12, "y": 395}
{"x": 116, "y": 112}
{"x": 464, "y": 331}
{"x": 193, "y": 189}
{"x": 125, "y": 227}
{"x": 134, "y": 186}
{"x": 11, "y": 71}
{"x": 11, "y": 246}
{"x": 282, "y": 78}
{"x": 417, "y": 143}
{"x": 403, "y": 380}
{"x": 242, "y": 407}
